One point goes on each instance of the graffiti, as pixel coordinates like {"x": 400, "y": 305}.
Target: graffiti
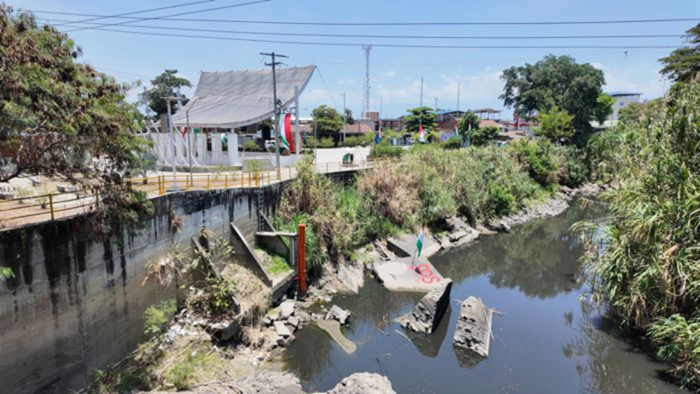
{"x": 426, "y": 273}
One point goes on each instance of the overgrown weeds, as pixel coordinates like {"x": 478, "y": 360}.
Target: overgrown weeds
{"x": 648, "y": 271}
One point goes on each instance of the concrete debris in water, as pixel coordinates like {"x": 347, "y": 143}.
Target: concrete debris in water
{"x": 362, "y": 383}
{"x": 282, "y": 330}
{"x": 339, "y": 314}
{"x": 332, "y": 328}
{"x": 407, "y": 275}
{"x": 426, "y": 315}
{"x": 286, "y": 309}
{"x": 473, "y": 330}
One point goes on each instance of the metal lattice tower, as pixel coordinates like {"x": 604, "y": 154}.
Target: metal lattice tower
{"x": 365, "y": 98}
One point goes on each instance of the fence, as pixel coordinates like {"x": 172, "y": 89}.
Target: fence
{"x": 52, "y": 206}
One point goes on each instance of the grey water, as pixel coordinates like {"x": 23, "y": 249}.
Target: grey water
{"x": 546, "y": 340}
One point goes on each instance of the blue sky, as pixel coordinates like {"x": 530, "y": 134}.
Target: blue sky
{"x": 395, "y": 72}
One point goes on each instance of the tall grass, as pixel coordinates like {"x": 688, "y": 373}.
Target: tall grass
{"x": 649, "y": 271}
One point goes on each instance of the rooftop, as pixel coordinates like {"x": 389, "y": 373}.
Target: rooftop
{"x": 620, "y": 94}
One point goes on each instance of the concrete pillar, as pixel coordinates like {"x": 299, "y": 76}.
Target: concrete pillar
{"x": 232, "y": 148}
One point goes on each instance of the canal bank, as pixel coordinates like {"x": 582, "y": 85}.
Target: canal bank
{"x": 547, "y": 340}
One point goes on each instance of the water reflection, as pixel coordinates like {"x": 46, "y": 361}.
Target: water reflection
{"x": 539, "y": 259}
{"x": 429, "y": 344}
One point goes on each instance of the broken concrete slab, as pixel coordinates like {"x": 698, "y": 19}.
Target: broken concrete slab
{"x": 286, "y": 309}
{"x": 364, "y": 382}
{"x": 402, "y": 275}
{"x": 339, "y": 314}
{"x": 351, "y": 276}
{"x": 282, "y": 330}
{"x": 293, "y": 321}
{"x": 405, "y": 245}
{"x": 332, "y": 328}
{"x": 473, "y": 332}
{"x": 426, "y": 315}
{"x": 429, "y": 345}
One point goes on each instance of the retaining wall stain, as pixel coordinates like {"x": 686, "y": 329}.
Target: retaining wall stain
{"x": 17, "y": 256}
{"x": 108, "y": 256}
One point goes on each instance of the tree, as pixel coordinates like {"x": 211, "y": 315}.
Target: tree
{"x": 420, "y": 115}
{"x": 482, "y": 136}
{"x": 63, "y": 119}
{"x": 327, "y": 120}
{"x": 556, "y": 125}
{"x": 348, "y": 116}
{"x": 631, "y": 113}
{"x": 557, "y": 81}
{"x": 683, "y": 64}
{"x": 469, "y": 118}
{"x": 167, "y": 84}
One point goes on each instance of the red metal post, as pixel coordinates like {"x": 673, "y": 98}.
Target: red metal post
{"x": 301, "y": 262}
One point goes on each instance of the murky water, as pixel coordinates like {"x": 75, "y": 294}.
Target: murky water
{"x": 546, "y": 341}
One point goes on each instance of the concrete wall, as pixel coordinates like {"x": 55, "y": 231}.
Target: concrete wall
{"x": 76, "y": 304}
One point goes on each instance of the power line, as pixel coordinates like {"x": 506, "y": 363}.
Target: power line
{"x": 171, "y": 15}
{"x": 345, "y": 44}
{"x": 380, "y": 36}
{"x": 515, "y": 23}
{"x": 136, "y": 12}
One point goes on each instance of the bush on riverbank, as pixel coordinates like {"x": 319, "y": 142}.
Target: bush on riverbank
{"x": 648, "y": 271}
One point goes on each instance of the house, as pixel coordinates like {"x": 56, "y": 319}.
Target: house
{"x": 622, "y": 99}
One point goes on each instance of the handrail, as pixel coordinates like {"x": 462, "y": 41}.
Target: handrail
{"x": 12, "y": 213}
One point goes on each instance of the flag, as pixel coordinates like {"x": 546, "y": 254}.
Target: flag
{"x": 456, "y": 132}
{"x": 184, "y": 131}
{"x": 469, "y": 134}
{"x": 284, "y": 123}
{"x": 224, "y": 139}
{"x": 421, "y": 134}
{"x": 419, "y": 242}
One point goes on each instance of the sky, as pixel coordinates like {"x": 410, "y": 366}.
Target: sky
{"x": 395, "y": 73}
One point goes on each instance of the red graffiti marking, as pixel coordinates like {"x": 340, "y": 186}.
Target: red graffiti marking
{"x": 426, "y": 273}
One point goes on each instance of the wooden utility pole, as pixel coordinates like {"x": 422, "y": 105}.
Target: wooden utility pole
{"x": 274, "y": 65}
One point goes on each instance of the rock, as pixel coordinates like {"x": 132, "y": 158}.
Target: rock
{"x": 294, "y": 322}
{"x": 286, "y": 309}
{"x": 504, "y": 226}
{"x": 473, "y": 330}
{"x": 361, "y": 383}
{"x": 445, "y": 242}
{"x": 267, "y": 322}
{"x": 339, "y": 314}
{"x": 351, "y": 277}
{"x": 457, "y": 235}
{"x": 483, "y": 230}
{"x": 426, "y": 315}
{"x": 282, "y": 330}
{"x": 263, "y": 382}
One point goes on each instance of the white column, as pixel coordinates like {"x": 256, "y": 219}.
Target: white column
{"x": 232, "y": 148}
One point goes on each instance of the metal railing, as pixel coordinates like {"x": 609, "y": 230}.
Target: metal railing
{"x": 20, "y": 211}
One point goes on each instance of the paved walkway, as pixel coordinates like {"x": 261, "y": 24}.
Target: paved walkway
{"x": 35, "y": 209}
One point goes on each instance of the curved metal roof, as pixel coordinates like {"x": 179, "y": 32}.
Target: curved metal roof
{"x": 239, "y": 98}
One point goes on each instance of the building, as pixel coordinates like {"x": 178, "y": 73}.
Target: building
{"x": 622, "y": 99}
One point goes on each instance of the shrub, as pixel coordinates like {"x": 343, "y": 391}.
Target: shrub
{"x": 573, "y": 171}
{"x": 391, "y": 192}
{"x": 251, "y": 146}
{"x": 535, "y": 155}
{"x": 484, "y": 135}
{"x": 500, "y": 201}
{"x": 384, "y": 150}
{"x": 326, "y": 142}
{"x": 157, "y": 317}
{"x": 452, "y": 143}
{"x": 352, "y": 141}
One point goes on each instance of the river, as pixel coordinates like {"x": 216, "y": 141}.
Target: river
{"x": 545, "y": 341}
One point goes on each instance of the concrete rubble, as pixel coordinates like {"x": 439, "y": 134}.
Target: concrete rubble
{"x": 407, "y": 275}
{"x": 473, "y": 332}
{"x": 362, "y": 383}
{"x": 426, "y": 315}
{"x": 332, "y": 328}
{"x": 339, "y": 314}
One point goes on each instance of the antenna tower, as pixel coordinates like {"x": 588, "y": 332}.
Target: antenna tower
{"x": 365, "y": 98}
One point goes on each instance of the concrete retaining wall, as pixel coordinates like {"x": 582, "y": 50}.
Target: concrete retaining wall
{"x": 76, "y": 304}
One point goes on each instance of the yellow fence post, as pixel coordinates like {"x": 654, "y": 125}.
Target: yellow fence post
{"x": 268, "y": 178}
{"x": 51, "y": 206}
{"x": 226, "y": 181}
{"x": 208, "y": 181}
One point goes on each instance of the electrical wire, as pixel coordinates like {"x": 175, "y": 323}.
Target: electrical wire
{"x": 345, "y": 44}
{"x": 135, "y": 12}
{"x": 172, "y": 15}
{"x": 411, "y": 37}
{"x": 512, "y": 23}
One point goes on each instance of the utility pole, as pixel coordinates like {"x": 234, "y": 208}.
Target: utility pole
{"x": 169, "y": 99}
{"x": 274, "y": 65}
{"x": 189, "y": 140}
{"x": 458, "y": 86}
{"x": 367, "y": 86}
{"x": 345, "y": 118}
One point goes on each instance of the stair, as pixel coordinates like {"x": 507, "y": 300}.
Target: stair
{"x": 257, "y": 165}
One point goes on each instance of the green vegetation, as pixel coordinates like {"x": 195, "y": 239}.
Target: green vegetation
{"x": 59, "y": 112}
{"x": 385, "y": 150}
{"x": 452, "y": 143}
{"x": 555, "y": 125}
{"x": 683, "y": 64}
{"x": 167, "y": 84}
{"x": 326, "y": 142}
{"x": 360, "y": 140}
{"x": 469, "y": 119}
{"x": 484, "y": 135}
{"x": 6, "y": 273}
{"x": 645, "y": 268}
{"x": 417, "y": 116}
{"x": 327, "y": 120}
{"x": 157, "y": 317}
{"x": 183, "y": 373}
{"x": 251, "y": 146}
{"x": 558, "y": 81}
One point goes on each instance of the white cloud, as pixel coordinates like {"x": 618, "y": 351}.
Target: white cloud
{"x": 640, "y": 78}
{"x": 390, "y": 74}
